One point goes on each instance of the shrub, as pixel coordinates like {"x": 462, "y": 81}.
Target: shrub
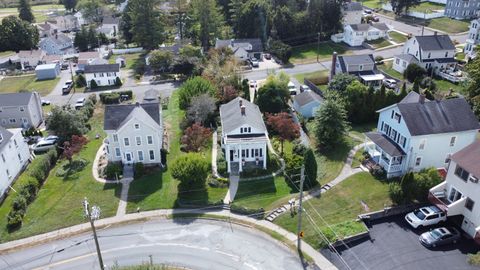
{"x": 128, "y": 93}
{"x": 80, "y": 81}
{"x": 221, "y": 165}
{"x": 192, "y": 88}
{"x": 413, "y": 71}
{"x": 93, "y": 84}
{"x": 113, "y": 170}
{"x": 139, "y": 170}
{"x": 19, "y": 203}
{"x": 29, "y": 190}
{"x": 427, "y": 82}
{"x": 396, "y": 193}
{"x": 93, "y": 98}
{"x": 40, "y": 169}
{"x": 110, "y": 98}
{"x": 118, "y": 82}
{"x": 14, "y": 220}
{"x": 258, "y": 213}
{"x": 279, "y": 49}
{"x": 299, "y": 149}
{"x": 52, "y": 157}
{"x": 190, "y": 168}
{"x": 474, "y": 259}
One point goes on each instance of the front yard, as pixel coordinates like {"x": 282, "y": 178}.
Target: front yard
{"x": 336, "y": 210}
{"x": 308, "y": 53}
{"x": 133, "y": 60}
{"x": 319, "y": 76}
{"x": 379, "y": 43}
{"x": 427, "y": 7}
{"x": 28, "y": 82}
{"x": 397, "y": 37}
{"x": 387, "y": 68}
{"x": 448, "y": 25}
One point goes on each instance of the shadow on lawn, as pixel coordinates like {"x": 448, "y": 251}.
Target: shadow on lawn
{"x": 145, "y": 186}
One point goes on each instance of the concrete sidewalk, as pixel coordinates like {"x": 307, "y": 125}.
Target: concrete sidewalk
{"x": 318, "y": 258}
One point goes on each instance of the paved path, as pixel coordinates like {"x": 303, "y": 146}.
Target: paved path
{"x": 232, "y": 188}
{"x": 122, "y": 204}
{"x": 214, "y": 154}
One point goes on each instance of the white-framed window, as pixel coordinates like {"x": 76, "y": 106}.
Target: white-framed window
{"x": 15, "y": 143}
{"x": 138, "y": 140}
{"x": 453, "y": 140}
{"x": 418, "y": 161}
{"x": 12, "y": 120}
{"x": 108, "y": 149}
{"x": 115, "y": 138}
{"x": 397, "y": 61}
{"x": 20, "y": 158}
{"x": 149, "y": 139}
{"x": 22, "y": 109}
{"x": 3, "y": 158}
{"x": 469, "y": 203}
{"x": 454, "y": 195}
{"x": 140, "y": 155}
{"x": 137, "y": 126}
{"x": 117, "y": 152}
{"x": 151, "y": 153}
{"x": 446, "y": 54}
{"x": 24, "y": 120}
{"x": 429, "y": 55}
{"x": 8, "y": 174}
{"x": 422, "y": 144}
{"x": 360, "y": 67}
{"x": 126, "y": 141}
{"x": 462, "y": 173}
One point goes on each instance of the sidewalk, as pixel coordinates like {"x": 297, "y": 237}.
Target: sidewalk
{"x": 318, "y": 258}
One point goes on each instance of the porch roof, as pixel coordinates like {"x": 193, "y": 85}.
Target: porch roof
{"x": 373, "y": 77}
{"x": 387, "y": 145}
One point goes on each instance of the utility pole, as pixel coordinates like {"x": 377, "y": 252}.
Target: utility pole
{"x": 92, "y": 215}
{"x": 318, "y": 45}
{"x": 299, "y": 228}
{"x": 71, "y": 75}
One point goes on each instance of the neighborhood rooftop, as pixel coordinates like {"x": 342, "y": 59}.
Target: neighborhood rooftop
{"x": 232, "y": 118}
{"x": 435, "y": 42}
{"x": 102, "y": 68}
{"x": 307, "y": 97}
{"x": 353, "y": 6}
{"x": 115, "y": 115}
{"x": 469, "y": 158}
{"x": 366, "y": 26}
{"x": 13, "y": 99}
{"x": 6, "y": 135}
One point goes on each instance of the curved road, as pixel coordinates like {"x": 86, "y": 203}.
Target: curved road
{"x": 194, "y": 244}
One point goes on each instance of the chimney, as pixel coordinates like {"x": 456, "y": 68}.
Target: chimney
{"x": 334, "y": 63}
{"x": 240, "y": 102}
{"x": 435, "y": 33}
{"x": 242, "y": 110}
{"x": 137, "y": 104}
{"x": 56, "y": 36}
{"x": 421, "y": 99}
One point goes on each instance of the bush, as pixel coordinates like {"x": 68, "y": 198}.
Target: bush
{"x": 139, "y": 170}
{"x": 413, "y": 71}
{"x": 396, "y": 193}
{"x": 110, "y": 98}
{"x": 221, "y": 165}
{"x": 80, "y": 81}
{"x": 93, "y": 84}
{"x": 118, "y": 82}
{"x": 299, "y": 149}
{"x": 474, "y": 259}
{"x": 40, "y": 169}
{"x": 191, "y": 168}
{"x": 19, "y": 203}
{"x": 128, "y": 93}
{"x": 93, "y": 98}
{"x": 428, "y": 83}
{"x": 14, "y": 220}
{"x": 258, "y": 213}
{"x": 279, "y": 49}
{"x": 113, "y": 170}
{"x": 29, "y": 190}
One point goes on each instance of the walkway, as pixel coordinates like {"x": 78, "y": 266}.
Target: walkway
{"x": 232, "y": 188}
{"x": 214, "y": 154}
{"x": 346, "y": 172}
{"x": 122, "y": 204}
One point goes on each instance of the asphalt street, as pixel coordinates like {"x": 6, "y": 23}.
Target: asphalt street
{"x": 194, "y": 244}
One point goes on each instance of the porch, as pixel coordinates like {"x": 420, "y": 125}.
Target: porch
{"x": 373, "y": 79}
{"x": 451, "y": 72}
{"x": 241, "y": 155}
{"x": 386, "y": 153}
{"x": 448, "y": 199}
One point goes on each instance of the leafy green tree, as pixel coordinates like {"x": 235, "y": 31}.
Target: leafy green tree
{"x": 324, "y": 16}
{"x": 81, "y": 40}
{"x": 70, "y": 5}
{"x": 191, "y": 168}
{"x": 416, "y": 85}
{"x": 126, "y": 25}
{"x": 91, "y": 9}
{"x": 340, "y": 82}
{"x": 356, "y": 105}
{"x": 408, "y": 186}
{"x": 207, "y": 21}
{"x": 330, "y": 123}
{"x": 161, "y": 60}
{"x": 65, "y": 122}
{"x": 25, "y": 11}
{"x": 192, "y": 88}
{"x": 147, "y": 23}
{"x": 424, "y": 181}
{"x": 16, "y": 34}
{"x": 249, "y": 19}
{"x": 279, "y": 49}
{"x": 414, "y": 71}
{"x": 273, "y": 96}
{"x": 93, "y": 84}
{"x": 402, "y": 6}
{"x": 311, "y": 168}
{"x": 473, "y": 87}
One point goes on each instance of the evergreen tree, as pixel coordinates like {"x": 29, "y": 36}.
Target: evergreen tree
{"x": 81, "y": 40}
{"x": 207, "y": 21}
{"x": 147, "y": 23}
{"x": 330, "y": 123}
{"x": 126, "y": 25}
{"x": 25, "y": 11}
{"x": 310, "y": 168}
{"x": 69, "y": 5}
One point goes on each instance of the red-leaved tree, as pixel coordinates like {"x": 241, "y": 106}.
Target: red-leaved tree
{"x": 195, "y": 137}
{"x": 73, "y": 146}
{"x": 282, "y": 124}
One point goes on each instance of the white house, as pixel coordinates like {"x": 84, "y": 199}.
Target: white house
{"x": 134, "y": 133}
{"x": 14, "y": 156}
{"x": 307, "y": 103}
{"x": 109, "y": 26}
{"x": 104, "y": 75}
{"x": 356, "y": 34}
{"x": 47, "y": 29}
{"x": 362, "y": 66}
{"x": 352, "y": 13}
{"x": 20, "y": 110}
{"x": 243, "y": 49}
{"x": 458, "y": 194}
{"x": 30, "y": 58}
{"x": 417, "y": 133}
{"x": 473, "y": 39}
{"x": 59, "y": 44}
{"x": 244, "y": 135}
{"x": 89, "y": 58}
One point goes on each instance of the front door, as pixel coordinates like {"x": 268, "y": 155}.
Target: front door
{"x": 231, "y": 154}
{"x": 128, "y": 157}
{"x": 468, "y": 227}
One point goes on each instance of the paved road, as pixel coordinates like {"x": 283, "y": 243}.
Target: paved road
{"x": 194, "y": 244}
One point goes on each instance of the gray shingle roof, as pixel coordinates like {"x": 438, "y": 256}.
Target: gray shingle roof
{"x": 451, "y": 115}
{"x": 381, "y": 26}
{"x": 435, "y": 42}
{"x": 365, "y": 26}
{"x": 412, "y": 97}
{"x": 13, "y": 99}
{"x": 102, "y": 68}
{"x": 469, "y": 158}
{"x": 256, "y": 43}
{"x": 6, "y": 135}
{"x": 407, "y": 57}
{"x": 30, "y": 53}
{"x": 385, "y": 143}
{"x": 116, "y": 114}
{"x": 232, "y": 118}
{"x": 307, "y": 97}
{"x": 353, "y": 6}
{"x": 364, "y": 59}
{"x": 110, "y": 20}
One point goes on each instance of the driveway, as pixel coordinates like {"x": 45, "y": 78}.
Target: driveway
{"x": 394, "y": 245}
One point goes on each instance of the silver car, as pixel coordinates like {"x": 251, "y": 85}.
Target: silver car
{"x": 440, "y": 236}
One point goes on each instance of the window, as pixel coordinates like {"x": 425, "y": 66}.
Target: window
{"x": 126, "y": 141}
{"x": 24, "y": 120}
{"x": 3, "y": 158}
{"x": 402, "y": 141}
{"x": 15, "y": 143}
{"x": 418, "y": 161}
{"x": 138, "y": 139}
{"x": 1, "y": 137}
{"x": 397, "y": 61}
{"x": 393, "y": 113}
{"x": 117, "y": 152}
{"x": 249, "y": 130}
{"x": 469, "y": 203}
{"x": 8, "y": 173}
{"x": 447, "y": 159}
{"x": 241, "y": 130}
{"x": 452, "y": 141}
{"x": 398, "y": 117}
{"x": 115, "y": 137}
{"x": 22, "y": 109}
{"x": 422, "y": 144}
{"x": 149, "y": 139}
{"x": 140, "y": 155}
{"x": 20, "y": 158}
{"x": 137, "y": 126}
{"x": 446, "y": 54}
{"x": 12, "y": 120}
{"x": 108, "y": 149}
{"x": 243, "y": 153}
{"x": 454, "y": 195}
{"x": 462, "y": 173}
{"x": 361, "y": 67}
{"x": 429, "y": 55}
{"x": 261, "y": 154}
{"x": 152, "y": 154}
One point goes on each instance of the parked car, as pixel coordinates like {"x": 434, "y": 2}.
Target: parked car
{"x": 254, "y": 62}
{"x": 304, "y": 88}
{"x": 45, "y": 102}
{"x": 267, "y": 56}
{"x": 44, "y": 145}
{"x": 69, "y": 82}
{"x": 252, "y": 84}
{"x": 390, "y": 83}
{"x": 425, "y": 216}
{"x": 51, "y": 138}
{"x": 291, "y": 88}
{"x": 375, "y": 18}
{"x": 367, "y": 11}
{"x": 80, "y": 103}
{"x": 66, "y": 88}
{"x": 440, "y": 236}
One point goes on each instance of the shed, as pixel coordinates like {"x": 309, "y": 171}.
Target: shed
{"x": 47, "y": 71}
{"x": 121, "y": 61}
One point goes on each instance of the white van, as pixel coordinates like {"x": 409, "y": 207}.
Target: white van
{"x": 44, "y": 145}
{"x": 291, "y": 88}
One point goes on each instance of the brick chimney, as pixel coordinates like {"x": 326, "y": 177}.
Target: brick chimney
{"x": 240, "y": 102}
{"x": 421, "y": 98}
{"x": 242, "y": 110}
{"x": 334, "y": 64}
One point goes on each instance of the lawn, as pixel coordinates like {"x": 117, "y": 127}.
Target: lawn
{"x": 444, "y": 86}
{"x": 313, "y": 76}
{"x": 427, "y": 7}
{"x": 373, "y": 4}
{"x": 308, "y": 53}
{"x": 379, "y": 43}
{"x": 460, "y": 56}
{"x": 40, "y": 11}
{"x": 30, "y": 83}
{"x": 357, "y": 131}
{"x": 339, "y": 207}
{"x": 59, "y": 201}
{"x": 357, "y": 158}
{"x": 6, "y": 53}
{"x": 448, "y": 25}
{"x": 397, "y": 37}
{"x": 160, "y": 190}
{"x": 387, "y": 68}
{"x": 132, "y": 59}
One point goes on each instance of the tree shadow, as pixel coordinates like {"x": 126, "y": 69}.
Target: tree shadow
{"x": 255, "y": 187}
{"x": 70, "y": 170}
{"x": 145, "y": 186}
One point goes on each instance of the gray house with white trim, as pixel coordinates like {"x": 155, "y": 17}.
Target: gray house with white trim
{"x": 20, "y": 110}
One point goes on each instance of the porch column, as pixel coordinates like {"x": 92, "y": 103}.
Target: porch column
{"x": 227, "y": 156}
{"x": 264, "y": 152}
{"x": 240, "y": 158}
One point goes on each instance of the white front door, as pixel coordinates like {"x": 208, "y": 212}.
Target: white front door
{"x": 468, "y": 227}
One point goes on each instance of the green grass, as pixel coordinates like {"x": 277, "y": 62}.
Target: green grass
{"x": 397, "y": 37}
{"x": 30, "y": 83}
{"x": 160, "y": 190}
{"x": 460, "y": 56}
{"x": 59, "y": 201}
{"x": 444, "y": 86}
{"x": 132, "y": 59}
{"x": 320, "y": 74}
{"x": 379, "y": 43}
{"x": 339, "y": 208}
{"x": 387, "y": 68}
{"x": 427, "y": 7}
{"x": 39, "y": 12}
{"x": 373, "y": 4}
{"x": 6, "y": 53}
{"x": 308, "y": 53}
{"x": 448, "y": 25}
{"x": 358, "y": 130}
{"x": 357, "y": 158}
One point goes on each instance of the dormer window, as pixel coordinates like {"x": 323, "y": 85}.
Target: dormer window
{"x": 361, "y": 67}
{"x": 446, "y": 54}
{"x": 137, "y": 126}
{"x": 22, "y": 109}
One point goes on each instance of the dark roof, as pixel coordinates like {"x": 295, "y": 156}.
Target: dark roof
{"x": 13, "y": 99}
{"x": 469, "y": 158}
{"x": 353, "y": 6}
{"x": 360, "y": 26}
{"x": 407, "y": 57}
{"x": 256, "y": 43}
{"x": 102, "y": 68}
{"x": 307, "y": 97}
{"x": 387, "y": 145}
{"x": 6, "y": 135}
{"x": 451, "y": 115}
{"x": 412, "y": 97}
{"x": 363, "y": 59}
{"x": 116, "y": 114}
{"x": 232, "y": 118}
{"x": 435, "y": 42}
{"x": 446, "y": 60}
{"x": 110, "y": 20}
{"x": 381, "y": 26}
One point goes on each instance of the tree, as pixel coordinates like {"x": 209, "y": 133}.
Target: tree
{"x": 188, "y": 61}
{"x": 73, "y": 146}
{"x": 93, "y": 84}
{"x": 283, "y": 125}
{"x": 191, "y": 168}
{"x": 356, "y": 96}
{"x": 402, "y": 6}
{"x": 147, "y": 23}
{"x": 65, "y": 122}
{"x": 273, "y": 96}
{"x": 229, "y": 93}
{"x": 330, "y": 123}
{"x": 126, "y": 25}
{"x": 222, "y": 68}
{"x": 340, "y": 82}
{"x": 408, "y": 186}
{"x": 279, "y": 49}
{"x": 195, "y": 137}
{"x": 201, "y": 109}
{"x": 414, "y": 71}
{"x": 16, "y": 35}
{"x": 192, "y": 88}
{"x": 69, "y": 5}
{"x": 81, "y": 40}
{"x": 91, "y": 10}
{"x": 473, "y": 86}
{"x": 207, "y": 22}
{"x": 161, "y": 60}
{"x": 424, "y": 181}
{"x": 310, "y": 168}
{"x": 25, "y": 11}
{"x": 324, "y": 16}
{"x": 118, "y": 82}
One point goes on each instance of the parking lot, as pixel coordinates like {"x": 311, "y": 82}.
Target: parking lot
{"x": 394, "y": 245}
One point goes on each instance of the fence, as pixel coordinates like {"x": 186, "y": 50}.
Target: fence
{"x": 313, "y": 87}
{"x": 415, "y": 14}
{"x": 129, "y": 50}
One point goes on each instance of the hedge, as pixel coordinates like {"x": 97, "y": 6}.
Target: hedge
{"x": 258, "y": 213}
{"x": 110, "y": 98}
